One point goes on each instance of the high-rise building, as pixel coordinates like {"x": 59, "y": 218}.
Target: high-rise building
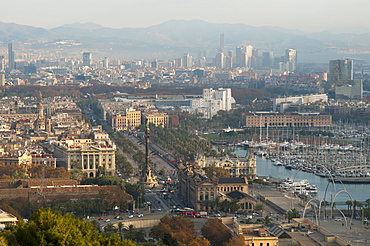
{"x": 258, "y": 56}
{"x": 2, "y": 79}
{"x": 291, "y": 59}
{"x": 86, "y": 59}
{"x": 11, "y": 62}
{"x": 222, "y": 42}
{"x": 340, "y": 72}
{"x": 105, "y": 62}
{"x": 187, "y": 60}
{"x": 267, "y": 59}
{"x": 219, "y": 60}
{"x": 177, "y": 62}
{"x": 2, "y": 63}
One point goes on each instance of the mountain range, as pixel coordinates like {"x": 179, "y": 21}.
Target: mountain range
{"x": 173, "y": 38}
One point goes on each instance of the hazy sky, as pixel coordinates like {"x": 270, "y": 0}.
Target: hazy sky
{"x": 306, "y": 15}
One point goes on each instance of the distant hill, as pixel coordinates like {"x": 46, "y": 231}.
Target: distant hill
{"x": 175, "y": 37}
{"x": 12, "y": 31}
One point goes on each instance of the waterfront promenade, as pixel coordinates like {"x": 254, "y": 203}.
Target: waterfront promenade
{"x": 355, "y": 233}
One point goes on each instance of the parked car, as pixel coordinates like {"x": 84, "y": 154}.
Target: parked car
{"x": 130, "y": 216}
{"x": 140, "y": 215}
{"x": 107, "y": 220}
{"x": 101, "y": 219}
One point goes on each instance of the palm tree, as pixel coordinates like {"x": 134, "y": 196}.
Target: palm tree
{"x": 368, "y": 202}
{"x": 207, "y": 203}
{"x": 349, "y": 204}
{"x": 225, "y": 205}
{"x": 266, "y": 220}
{"x": 324, "y": 204}
{"x": 234, "y": 205}
{"x": 120, "y": 227}
{"x": 359, "y": 205}
{"x": 216, "y": 203}
{"x": 293, "y": 213}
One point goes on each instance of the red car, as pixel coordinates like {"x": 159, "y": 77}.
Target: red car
{"x": 101, "y": 218}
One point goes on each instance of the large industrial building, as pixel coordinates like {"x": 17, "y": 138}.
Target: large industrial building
{"x": 274, "y": 119}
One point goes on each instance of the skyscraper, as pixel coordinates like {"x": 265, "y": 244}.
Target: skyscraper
{"x": 11, "y": 63}
{"x": 222, "y": 42}
{"x": 219, "y": 60}
{"x": 105, "y": 62}
{"x": 267, "y": 59}
{"x": 291, "y": 59}
{"x": 86, "y": 59}
{"x": 2, "y": 63}
{"x": 187, "y": 60}
{"x": 340, "y": 72}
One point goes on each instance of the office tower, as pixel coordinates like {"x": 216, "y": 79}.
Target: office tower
{"x": 177, "y": 62}
{"x": 11, "y": 63}
{"x": 187, "y": 60}
{"x": 2, "y": 79}
{"x": 291, "y": 59}
{"x": 2, "y": 63}
{"x": 249, "y": 50}
{"x": 228, "y": 62}
{"x": 105, "y": 62}
{"x": 241, "y": 59}
{"x": 258, "y": 56}
{"x": 219, "y": 60}
{"x": 201, "y": 62}
{"x": 238, "y": 55}
{"x": 86, "y": 59}
{"x": 267, "y": 59}
{"x": 222, "y": 42}
{"x": 340, "y": 72}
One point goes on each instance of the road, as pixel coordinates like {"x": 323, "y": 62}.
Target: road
{"x": 160, "y": 161}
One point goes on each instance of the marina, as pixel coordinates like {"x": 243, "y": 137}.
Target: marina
{"x": 326, "y": 189}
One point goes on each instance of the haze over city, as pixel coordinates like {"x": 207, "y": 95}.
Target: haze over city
{"x": 313, "y": 16}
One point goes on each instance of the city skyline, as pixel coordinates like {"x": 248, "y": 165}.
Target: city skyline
{"x": 315, "y": 17}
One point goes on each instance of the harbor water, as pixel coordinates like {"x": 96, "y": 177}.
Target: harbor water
{"x": 358, "y": 192}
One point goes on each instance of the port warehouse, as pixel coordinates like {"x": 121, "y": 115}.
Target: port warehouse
{"x": 274, "y": 119}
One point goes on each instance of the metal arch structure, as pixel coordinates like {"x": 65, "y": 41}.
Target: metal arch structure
{"x": 305, "y": 207}
{"x": 345, "y": 219}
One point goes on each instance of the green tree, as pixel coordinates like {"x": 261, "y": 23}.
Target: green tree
{"x": 216, "y": 232}
{"x": 78, "y": 174}
{"x": 46, "y": 227}
{"x": 349, "y": 205}
{"x": 266, "y": 220}
{"x": 199, "y": 242}
{"x": 169, "y": 240}
{"x": 235, "y": 241}
{"x": 293, "y": 213}
{"x": 219, "y": 172}
{"x": 180, "y": 228}
{"x": 368, "y": 202}
{"x": 258, "y": 207}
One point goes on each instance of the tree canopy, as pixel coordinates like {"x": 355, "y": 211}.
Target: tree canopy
{"x": 216, "y": 232}
{"x": 46, "y": 227}
{"x": 177, "y": 231}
